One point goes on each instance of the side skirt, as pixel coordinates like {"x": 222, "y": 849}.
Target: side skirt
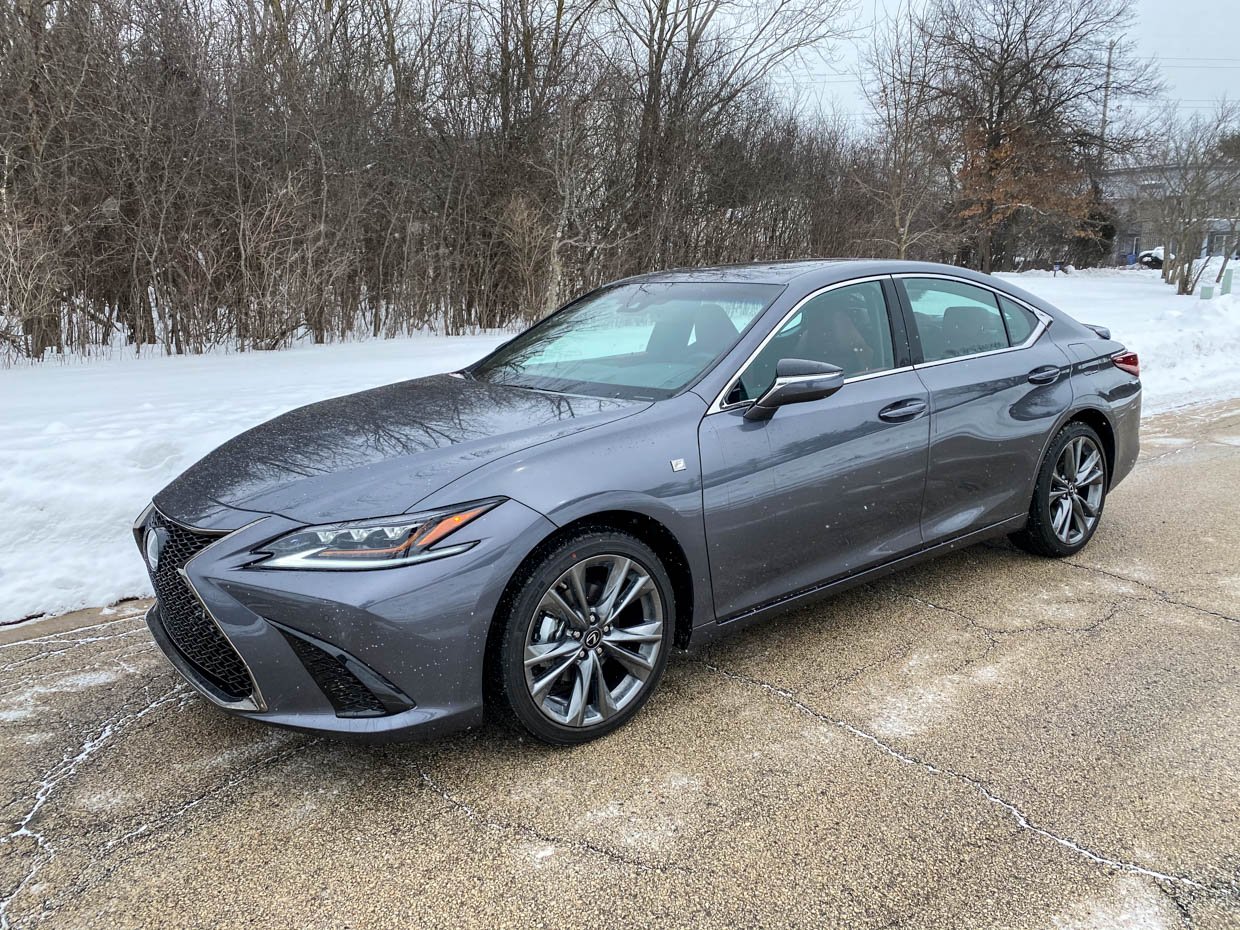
{"x": 789, "y": 602}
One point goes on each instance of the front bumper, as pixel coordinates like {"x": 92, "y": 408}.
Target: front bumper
{"x": 380, "y": 653}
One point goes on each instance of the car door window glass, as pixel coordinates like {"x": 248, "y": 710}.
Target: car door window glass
{"x": 954, "y": 319}
{"x": 1021, "y": 321}
{"x": 847, "y": 326}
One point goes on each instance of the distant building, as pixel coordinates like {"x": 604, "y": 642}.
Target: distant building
{"x": 1142, "y": 194}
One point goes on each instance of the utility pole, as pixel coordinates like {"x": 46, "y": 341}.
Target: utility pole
{"x": 1106, "y": 102}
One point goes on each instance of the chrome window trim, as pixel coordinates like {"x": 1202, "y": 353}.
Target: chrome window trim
{"x": 718, "y": 406}
{"x": 1044, "y": 319}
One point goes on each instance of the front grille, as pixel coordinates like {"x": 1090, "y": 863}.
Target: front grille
{"x": 186, "y": 621}
{"x": 348, "y": 695}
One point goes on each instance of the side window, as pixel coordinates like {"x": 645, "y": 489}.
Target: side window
{"x": 1021, "y": 321}
{"x": 954, "y": 319}
{"x": 847, "y": 326}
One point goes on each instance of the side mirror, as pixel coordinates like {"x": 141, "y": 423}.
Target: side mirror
{"x": 797, "y": 380}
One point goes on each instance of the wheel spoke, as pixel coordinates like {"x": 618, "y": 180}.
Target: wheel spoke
{"x": 1059, "y": 521}
{"x": 539, "y": 653}
{"x": 606, "y": 700}
{"x": 638, "y": 587}
{"x": 637, "y": 665}
{"x": 616, "y": 575}
{"x": 554, "y": 604}
{"x": 1091, "y": 479}
{"x": 1078, "y": 515}
{"x": 577, "y": 579}
{"x": 635, "y": 635}
{"x": 542, "y": 685}
{"x": 1086, "y": 469}
{"x": 1089, "y": 509}
{"x": 580, "y": 699}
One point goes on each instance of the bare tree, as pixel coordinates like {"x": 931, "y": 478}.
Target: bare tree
{"x": 913, "y": 161}
{"x": 1022, "y": 84}
{"x": 192, "y": 173}
{"x": 1197, "y": 175}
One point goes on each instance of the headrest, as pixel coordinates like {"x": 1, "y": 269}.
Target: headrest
{"x": 967, "y": 317}
{"x": 713, "y": 328}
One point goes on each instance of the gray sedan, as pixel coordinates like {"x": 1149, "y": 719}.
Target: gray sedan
{"x": 666, "y": 458}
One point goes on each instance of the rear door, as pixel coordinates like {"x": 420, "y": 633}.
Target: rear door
{"x": 826, "y": 488}
{"x": 996, "y": 390}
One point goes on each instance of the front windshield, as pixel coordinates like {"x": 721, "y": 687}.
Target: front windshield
{"x": 643, "y": 341}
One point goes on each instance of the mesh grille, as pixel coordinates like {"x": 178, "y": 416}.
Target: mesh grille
{"x": 348, "y": 695}
{"x": 184, "y": 618}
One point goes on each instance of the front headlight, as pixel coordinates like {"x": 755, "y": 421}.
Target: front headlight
{"x": 383, "y": 542}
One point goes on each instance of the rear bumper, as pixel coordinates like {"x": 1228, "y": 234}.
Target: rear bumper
{"x": 1126, "y": 422}
{"x": 382, "y": 654}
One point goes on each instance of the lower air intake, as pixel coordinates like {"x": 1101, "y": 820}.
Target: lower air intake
{"x": 345, "y": 690}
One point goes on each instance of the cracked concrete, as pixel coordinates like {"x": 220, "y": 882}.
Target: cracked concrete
{"x": 989, "y": 740}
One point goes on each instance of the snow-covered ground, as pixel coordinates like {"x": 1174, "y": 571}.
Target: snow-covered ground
{"x": 84, "y": 445}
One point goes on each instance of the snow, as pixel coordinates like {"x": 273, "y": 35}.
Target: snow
{"x": 84, "y": 445}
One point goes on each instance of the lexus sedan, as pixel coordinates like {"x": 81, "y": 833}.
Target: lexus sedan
{"x": 666, "y": 458}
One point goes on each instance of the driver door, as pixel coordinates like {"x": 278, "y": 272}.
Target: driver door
{"x": 826, "y": 488}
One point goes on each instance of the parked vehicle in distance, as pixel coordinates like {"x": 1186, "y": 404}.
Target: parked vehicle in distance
{"x": 663, "y": 459}
{"x": 1152, "y": 258}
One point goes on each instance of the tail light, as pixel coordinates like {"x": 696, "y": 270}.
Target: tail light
{"x": 1127, "y": 361}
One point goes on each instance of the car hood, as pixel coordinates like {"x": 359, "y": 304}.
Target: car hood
{"x": 374, "y": 453}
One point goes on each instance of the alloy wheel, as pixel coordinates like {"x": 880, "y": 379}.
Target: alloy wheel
{"x": 594, "y": 640}
{"x": 1076, "y": 490}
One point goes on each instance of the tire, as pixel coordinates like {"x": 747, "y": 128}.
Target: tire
{"x": 1048, "y": 532}
{"x": 602, "y": 665}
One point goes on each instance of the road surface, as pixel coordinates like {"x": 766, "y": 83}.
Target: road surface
{"x": 990, "y": 740}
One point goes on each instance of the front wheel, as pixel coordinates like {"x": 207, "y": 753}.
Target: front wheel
{"x": 1069, "y": 495}
{"x": 585, "y": 639}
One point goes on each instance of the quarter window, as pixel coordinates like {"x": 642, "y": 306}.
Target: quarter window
{"x": 1021, "y": 321}
{"x": 954, "y": 319}
{"x": 846, "y": 326}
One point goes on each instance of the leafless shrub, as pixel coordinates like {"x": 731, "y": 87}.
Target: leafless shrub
{"x": 194, "y": 173}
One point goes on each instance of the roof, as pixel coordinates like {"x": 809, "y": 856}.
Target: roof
{"x": 823, "y": 270}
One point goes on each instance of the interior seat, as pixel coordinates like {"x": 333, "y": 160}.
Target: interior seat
{"x": 703, "y": 328}
{"x": 713, "y": 329}
{"x": 831, "y": 336}
{"x": 971, "y": 329}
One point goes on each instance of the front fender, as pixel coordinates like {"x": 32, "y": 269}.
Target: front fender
{"x": 646, "y": 464}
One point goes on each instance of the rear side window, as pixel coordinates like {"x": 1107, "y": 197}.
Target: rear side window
{"x": 954, "y": 319}
{"x": 1021, "y": 321}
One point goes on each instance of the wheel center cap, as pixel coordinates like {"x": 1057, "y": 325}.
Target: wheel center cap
{"x": 592, "y": 639}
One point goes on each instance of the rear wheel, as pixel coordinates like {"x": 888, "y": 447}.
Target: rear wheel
{"x": 586, "y": 637}
{"x": 1069, "y": 496}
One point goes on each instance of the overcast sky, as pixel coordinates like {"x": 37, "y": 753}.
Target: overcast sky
{"x": 1196, "y": 42}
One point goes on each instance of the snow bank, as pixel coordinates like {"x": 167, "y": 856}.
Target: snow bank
{"x": 84, "y": 445}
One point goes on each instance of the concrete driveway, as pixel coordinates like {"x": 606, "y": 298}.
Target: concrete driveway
{"x": 992, "y": 740}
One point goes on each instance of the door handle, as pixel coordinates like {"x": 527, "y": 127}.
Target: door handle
{"x": 1044, "y": 375}
{"x": 903, "y": 410}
